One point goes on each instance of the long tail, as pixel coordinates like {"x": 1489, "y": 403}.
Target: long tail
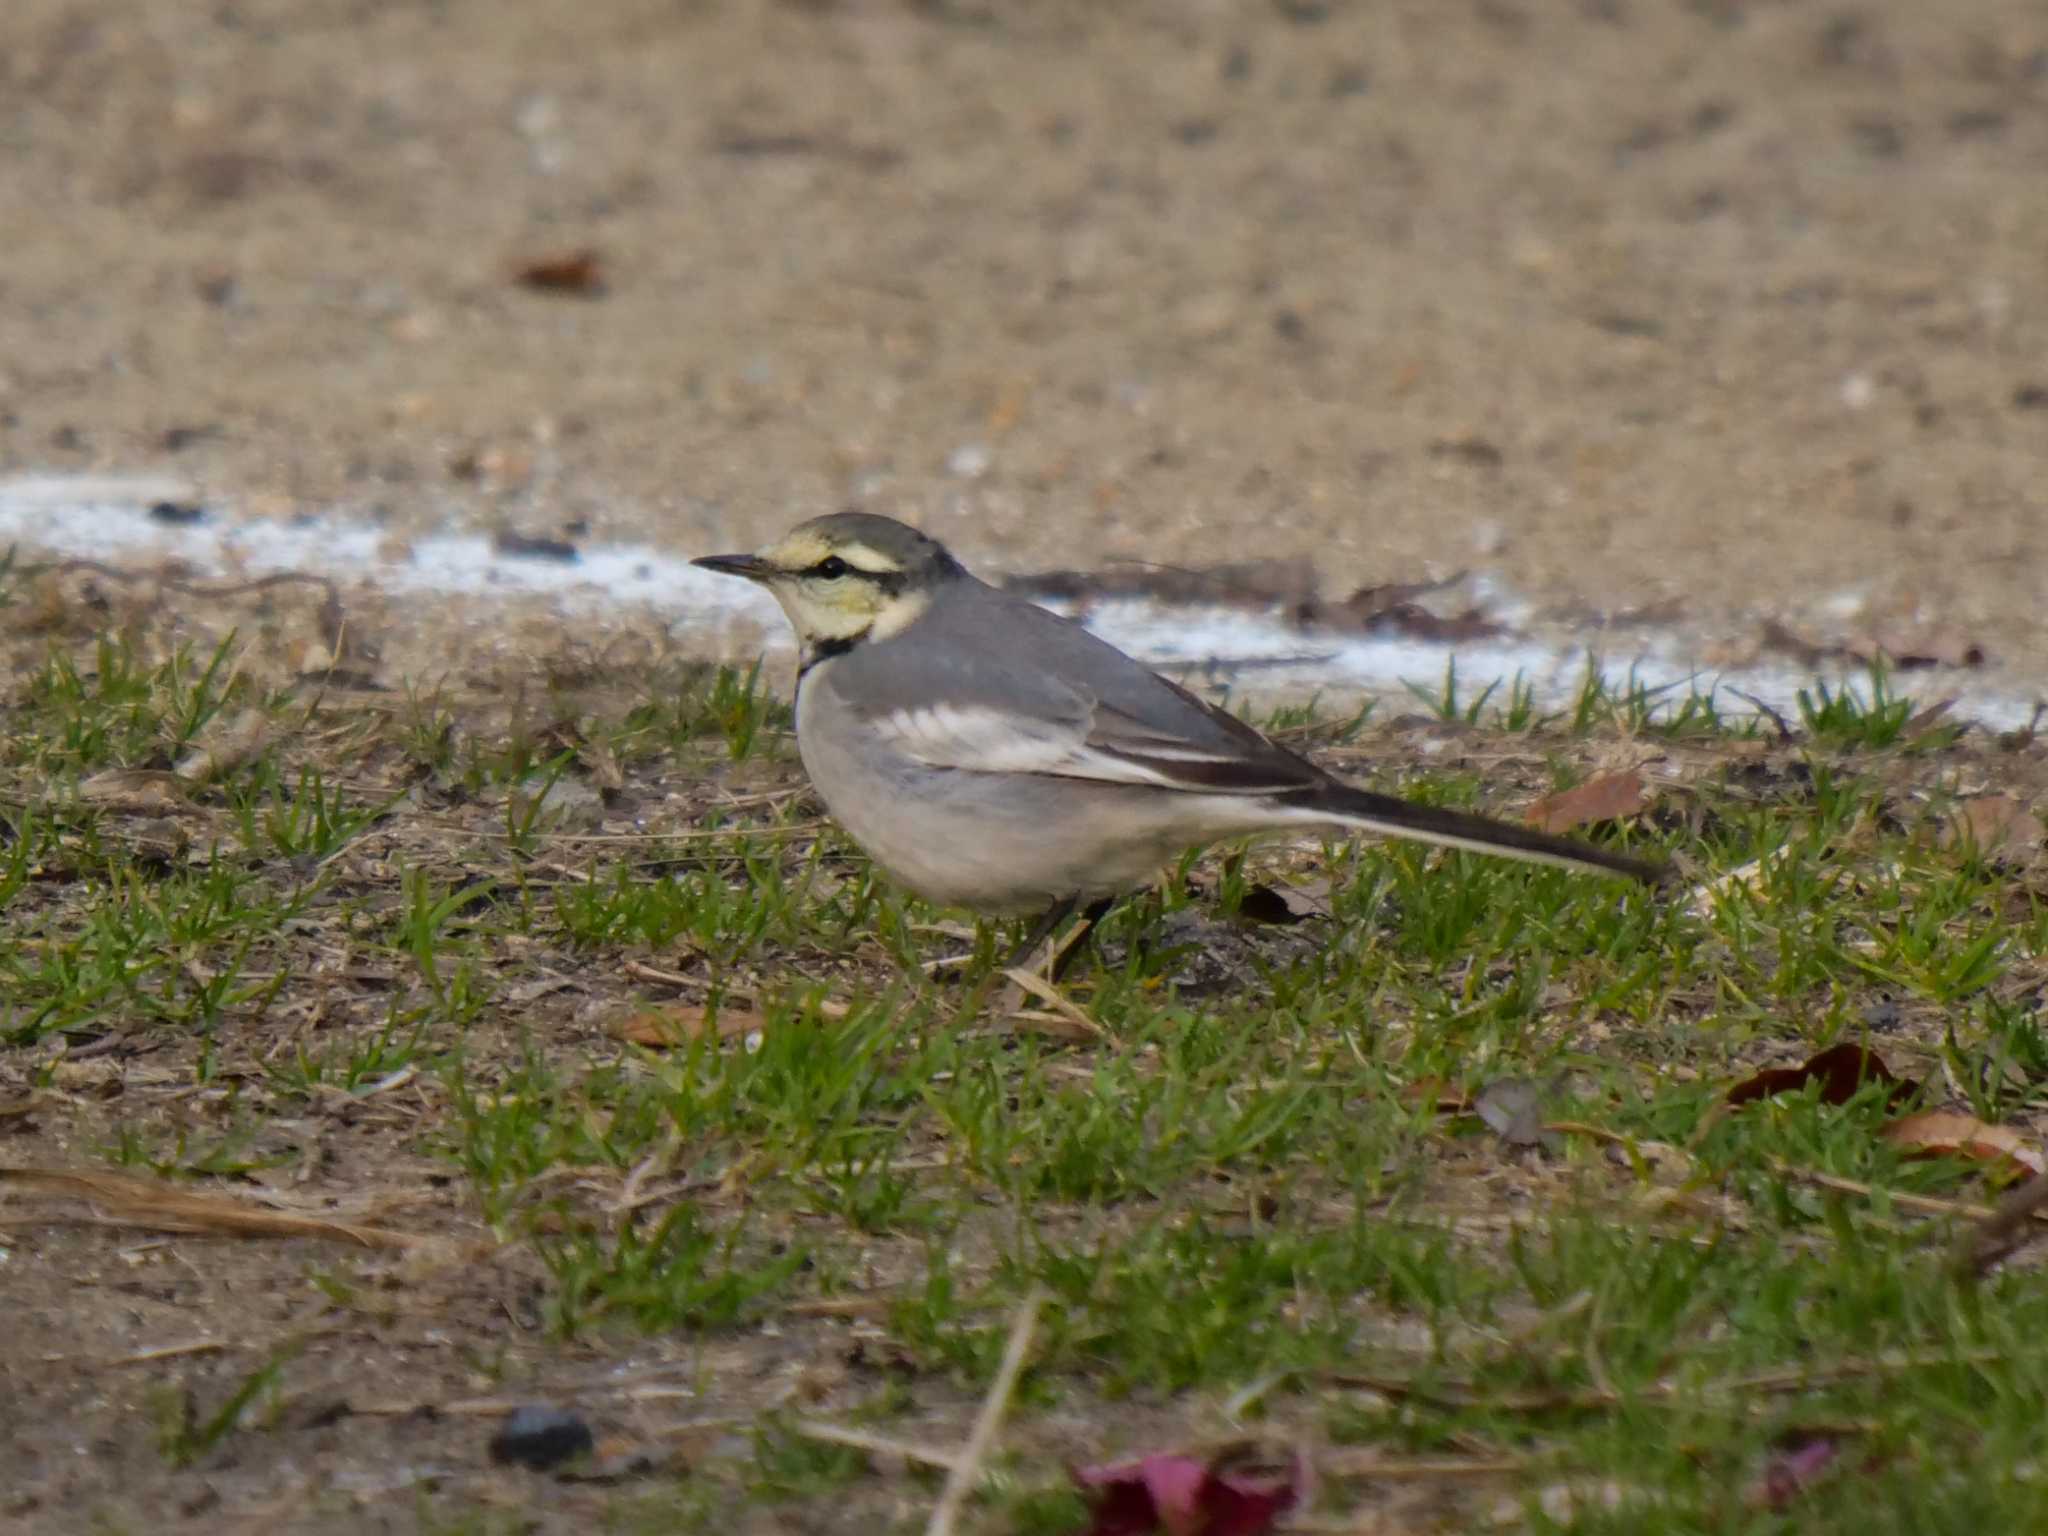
{"x": 1390, "y": 817}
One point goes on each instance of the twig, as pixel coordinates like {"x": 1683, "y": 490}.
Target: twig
{"x": 2004, "y": 1230}
{"x": 1919, "y": 1205}
{"x": 967, "y": 1468}
{"x": 1758, "y": 1383}
{"x": 131, "y": 1201}
{"x": 647, "y": 839}
{"x": 332, "y": 619}
{"x": 879, "y": 1445}
{"x": 841, "y": 1306}
{"x": 482, "y": 1407}
{"x": 1368, "y": 1462}
{"x": 168, "y": 1352}
{"x": 640, "y": 971}
{"x": 828, "y": 1008}
{"x": 1047, "y": 993}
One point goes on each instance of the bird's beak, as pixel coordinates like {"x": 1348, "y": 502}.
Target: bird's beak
{"x": 753, "y": 567}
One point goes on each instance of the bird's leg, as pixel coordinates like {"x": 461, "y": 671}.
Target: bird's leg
{"x": 1093, "y": 915}
{"x": 1041, "y": 930}
{"x": 1052, "y": 917}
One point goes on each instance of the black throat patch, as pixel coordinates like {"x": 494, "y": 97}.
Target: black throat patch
{"x": 825, "y": 650}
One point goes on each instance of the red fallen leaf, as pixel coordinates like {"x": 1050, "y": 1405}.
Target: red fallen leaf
{"x": 1840, "y": 1070}
{"x": 1186, "y": 1496}
{"x": 1951, "y": 1133}
{"x": 1794, "y": 1468}
{"x": 1609, "y": 797}
{"x": 580, "y": 273}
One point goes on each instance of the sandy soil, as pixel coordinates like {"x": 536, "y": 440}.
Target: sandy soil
{"x": 1627, "y": 299}
{"x": 1739, "y": 302}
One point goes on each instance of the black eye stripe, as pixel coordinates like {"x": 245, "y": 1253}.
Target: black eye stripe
{"x": 832, "y": 568}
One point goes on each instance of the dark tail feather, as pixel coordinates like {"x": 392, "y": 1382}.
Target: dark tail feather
{"x": 1391, "y": 817}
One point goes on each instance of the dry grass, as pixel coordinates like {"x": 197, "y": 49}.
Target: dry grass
{"x": 555, "y": 1050}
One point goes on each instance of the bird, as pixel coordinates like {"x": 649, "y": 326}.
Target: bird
{"x": 988, "y": 754}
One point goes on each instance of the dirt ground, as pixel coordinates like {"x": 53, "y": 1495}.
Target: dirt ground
{"x": 1629, "y": 300}
{"x": 1742, "y": 303}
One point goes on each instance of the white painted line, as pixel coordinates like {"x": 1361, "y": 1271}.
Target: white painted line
{"x": 106, "y": 518}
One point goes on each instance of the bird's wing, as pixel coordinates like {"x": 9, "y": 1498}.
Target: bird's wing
{"x": 988, "y": 683}
{"x": 1094, "y": 742}
{"x": 1198, "y": 746}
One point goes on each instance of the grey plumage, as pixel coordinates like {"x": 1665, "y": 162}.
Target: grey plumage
{"x": 990, "y": 754}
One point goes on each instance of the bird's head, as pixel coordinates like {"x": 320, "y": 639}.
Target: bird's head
{"x": 846, "y": 578}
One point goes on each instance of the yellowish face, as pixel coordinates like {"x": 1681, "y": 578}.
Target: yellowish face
{"x": 837, "y": 589}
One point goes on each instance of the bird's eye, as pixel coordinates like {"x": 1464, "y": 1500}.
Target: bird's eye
{"x": 831, "y": 568}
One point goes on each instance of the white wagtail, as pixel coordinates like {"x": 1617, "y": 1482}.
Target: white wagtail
{"x": 991, "y": 755}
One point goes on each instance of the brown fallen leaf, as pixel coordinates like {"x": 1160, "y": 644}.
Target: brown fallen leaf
{"x": 1777, "y": 635}
{"x": 1438, "y": 1093}
{"x": 2005, "y": 1231}
{"x": 662, "y": 1029}
{"x": 1744, "y": 880}
{"x": 1416, "y": 622}
{"x": 227, "y": 743}
{"x": 1904, "y": 647}
{"x": 133, "y": 791}
{"x": 1609, "y": 797}
{"x": 1276, "y": 905}
{"x": 1954, "y": 1133}
{"x": 1839, "y": 1070}
{"x": 1924, "y": 722}
{"x": 1908, "y": 647}
{"x": 577, "y": 273}
{"x": 161, "y": 1207}
{"x": 1995, "y": 826}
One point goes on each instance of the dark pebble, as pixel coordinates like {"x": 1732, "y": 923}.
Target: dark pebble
{"x": 178, "y": 514}
{"x": 1347, "y": 80}
{"x": 528, "y": 547}
{"x": 540, "y": 1436}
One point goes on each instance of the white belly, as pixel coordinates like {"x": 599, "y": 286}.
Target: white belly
{"x": 997, "y": 843}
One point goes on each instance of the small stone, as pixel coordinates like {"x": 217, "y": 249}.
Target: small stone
{"x": 539, "y": 1436}
{"x": 566, "y": 803}
{"x": 527, "y": 546}
{"x": 970, "y": 461}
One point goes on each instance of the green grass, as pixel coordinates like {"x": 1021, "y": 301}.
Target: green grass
{"x": 1240, "y": 1198}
